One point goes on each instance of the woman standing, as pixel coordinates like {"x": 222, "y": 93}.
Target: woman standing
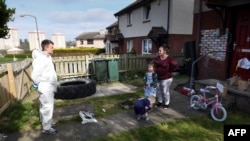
{"x": 164, "y": 67}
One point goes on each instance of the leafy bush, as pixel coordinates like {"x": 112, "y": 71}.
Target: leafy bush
{"x": 80, "y": 50}
{"x": 64, "y": 51}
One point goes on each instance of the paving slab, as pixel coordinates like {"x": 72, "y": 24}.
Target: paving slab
{"x": 113, "y": 89}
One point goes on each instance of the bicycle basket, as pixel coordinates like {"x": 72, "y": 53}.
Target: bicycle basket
{"x": 222, "y": 89}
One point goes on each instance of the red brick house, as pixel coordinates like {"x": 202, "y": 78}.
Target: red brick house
{"x": 145, "y": 24}
{"x": 216, "y": 32}
{"x": 222, "y": 31}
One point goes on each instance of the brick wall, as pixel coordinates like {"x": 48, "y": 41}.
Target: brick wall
{"x": 177, "y": 41}
{"x": 214, "y": 65}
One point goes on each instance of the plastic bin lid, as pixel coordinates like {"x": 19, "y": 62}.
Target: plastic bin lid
{"x": 104, "y": 59}
{"x": 99, "y": 59}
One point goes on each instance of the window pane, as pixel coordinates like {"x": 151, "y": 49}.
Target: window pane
{"x": 147, "y": 12}
{"x": 149, "y": 46}
{"x": 146, "y": 46}
{"x": 129, "y": 18}
{"x": 129, "y": 46}
{"x": 90, "y": 41}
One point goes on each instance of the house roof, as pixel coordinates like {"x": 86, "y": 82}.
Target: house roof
{"x": 226, "y": 3}
{"x": 157, "y": 32}
{"x": 90, "y": 35}
{"x": 112, "y": 25}
{"x": 132, "y": 6}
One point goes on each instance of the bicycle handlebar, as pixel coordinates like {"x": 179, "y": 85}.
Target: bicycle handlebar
{"x": 204, "y": 90}
{"x": 211, "y": 87}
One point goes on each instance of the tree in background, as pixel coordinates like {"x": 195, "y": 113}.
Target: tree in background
{"x": 5, "y": 16}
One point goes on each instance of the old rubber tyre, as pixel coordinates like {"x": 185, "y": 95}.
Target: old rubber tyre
{"x": 78, "y": 88}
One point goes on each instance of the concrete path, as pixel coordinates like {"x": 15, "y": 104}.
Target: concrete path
{"x": 179, "y": 108}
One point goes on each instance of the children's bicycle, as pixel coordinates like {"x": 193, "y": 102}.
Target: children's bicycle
{"x": 202, "y": 101}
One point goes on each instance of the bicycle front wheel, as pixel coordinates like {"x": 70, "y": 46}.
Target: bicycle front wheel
{"x": 218, "y": 113}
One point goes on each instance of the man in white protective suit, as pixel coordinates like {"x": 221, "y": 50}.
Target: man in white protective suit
{"x": 45, "y": 81}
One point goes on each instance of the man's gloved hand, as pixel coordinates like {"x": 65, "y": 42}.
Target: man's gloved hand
{"x": 34, "y": 86}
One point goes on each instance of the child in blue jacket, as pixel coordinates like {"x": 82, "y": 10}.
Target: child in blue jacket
{"x": 142, "y": 105}
{"x": 150, "y": 81}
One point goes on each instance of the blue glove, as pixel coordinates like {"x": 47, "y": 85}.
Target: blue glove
{"x": 35, "y": 86}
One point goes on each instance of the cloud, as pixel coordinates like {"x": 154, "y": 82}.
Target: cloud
{"x": 73, "y": 23}
{"x": 75, "y": 17}
{"x": 70, "y": 18}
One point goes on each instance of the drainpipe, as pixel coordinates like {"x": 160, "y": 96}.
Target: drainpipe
{"x": 168, "y": 21}
{"x": 199, "y": 24}
{"x": 119, "y": 44}
{"x": 192, "y": 78}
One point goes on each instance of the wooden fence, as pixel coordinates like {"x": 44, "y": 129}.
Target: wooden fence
{"x": 15, "y": 81}
{"x": 75, "y": 66}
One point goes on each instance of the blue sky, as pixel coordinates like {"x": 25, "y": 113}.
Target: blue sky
{"x": 69, "y": 17}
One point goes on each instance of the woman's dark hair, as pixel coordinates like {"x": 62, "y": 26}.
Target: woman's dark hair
{"x": 166, "y": 48}
{"x": 46, "y": 42}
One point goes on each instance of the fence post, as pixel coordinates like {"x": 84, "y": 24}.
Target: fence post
{"x": 87, "y": 64}
{"x": 125, "y": 62}
{"x": 11, "y": 81}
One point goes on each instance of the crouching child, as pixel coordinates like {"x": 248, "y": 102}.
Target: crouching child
{"x": 142, "y": 105}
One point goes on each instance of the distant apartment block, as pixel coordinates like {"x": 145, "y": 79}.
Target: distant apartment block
{"x": 59, "y": 40}
{"x": 12, "y": 40}
{"x": 33, "y": 39}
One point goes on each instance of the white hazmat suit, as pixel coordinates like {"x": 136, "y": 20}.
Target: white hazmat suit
{"x": 44, "y": 76}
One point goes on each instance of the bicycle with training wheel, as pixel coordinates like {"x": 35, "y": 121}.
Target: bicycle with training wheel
{"x": 202, "y": 101}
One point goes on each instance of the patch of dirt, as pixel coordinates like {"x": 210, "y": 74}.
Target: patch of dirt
{"x": 128, "y": 103}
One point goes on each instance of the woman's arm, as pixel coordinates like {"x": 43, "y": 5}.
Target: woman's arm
{"x": 173, "y": 64}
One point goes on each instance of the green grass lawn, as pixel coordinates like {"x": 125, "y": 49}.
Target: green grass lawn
{"x": 25, "y": 115}
{"x": 20, "y": 116}
{"x": 6, "y": 60}
{"x": 9, "y": 60}
{"x": 191, "y": 129}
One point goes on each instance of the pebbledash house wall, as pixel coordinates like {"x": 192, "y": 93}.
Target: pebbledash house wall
{"x": 180, "y": 25}
{"x": 213, "y": 65}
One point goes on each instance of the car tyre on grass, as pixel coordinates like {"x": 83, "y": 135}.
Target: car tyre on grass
{"x": 78, "y": 88}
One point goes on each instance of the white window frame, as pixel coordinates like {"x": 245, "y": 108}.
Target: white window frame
{"x": 129, "y": 46}
{"x": 146, "y": 46}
